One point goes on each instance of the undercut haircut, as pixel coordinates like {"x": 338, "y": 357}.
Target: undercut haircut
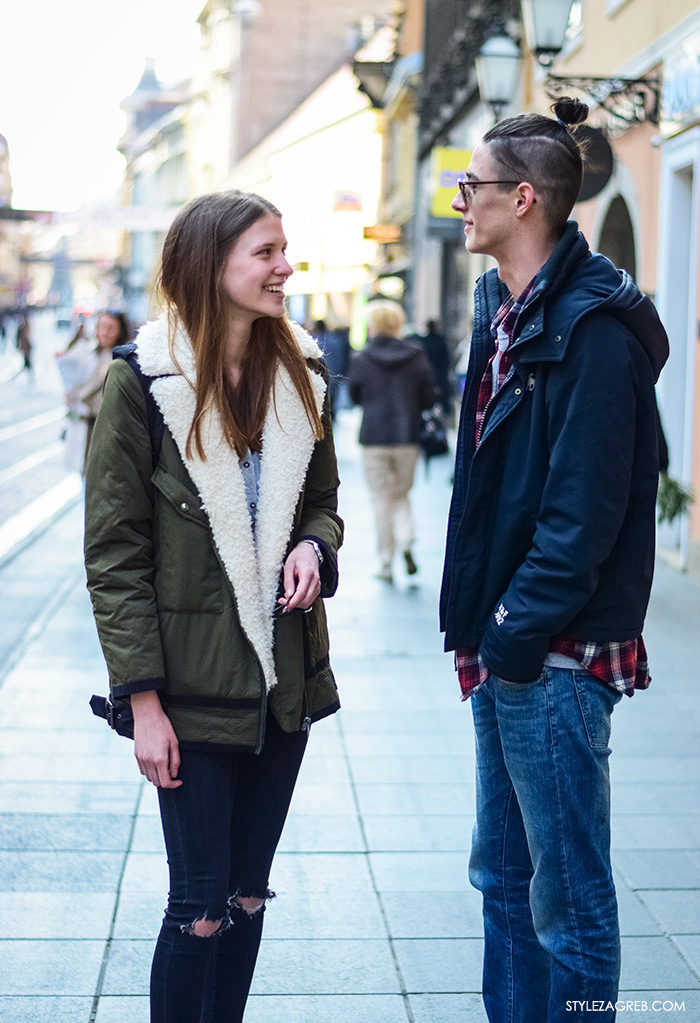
{"x": 544, "y": 152}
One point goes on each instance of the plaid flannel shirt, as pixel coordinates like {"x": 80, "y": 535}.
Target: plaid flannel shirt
{"x": 623, "y": 666}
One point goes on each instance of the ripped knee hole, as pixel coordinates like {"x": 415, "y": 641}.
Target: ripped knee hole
{"x": 204, "y": 928}
{"x": 249, "y": 904}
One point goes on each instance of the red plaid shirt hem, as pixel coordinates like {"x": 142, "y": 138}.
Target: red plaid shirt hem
{"x": 622, "y": 666}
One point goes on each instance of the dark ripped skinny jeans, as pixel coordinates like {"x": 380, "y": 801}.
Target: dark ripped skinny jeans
{"x": 221, "y": 828}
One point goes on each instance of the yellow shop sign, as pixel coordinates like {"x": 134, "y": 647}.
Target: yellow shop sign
{"x": 447, "y": 165}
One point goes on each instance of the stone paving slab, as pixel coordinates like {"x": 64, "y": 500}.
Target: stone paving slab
{"x": 461, "y": 1008}
{"x": 104, "y": 832}
{"x": 55, "y": 1009}
{"x": 416, "y": 913}
{"x": 51, "y": 914}
{"x": 677, "y": 912}
{"x": 413, "y": 798}
{"x": 315, "y": 834}
{"x": 268, "y": 1008}
{"x": 689, "y": 945}
{"x": 417, "y": 833}
{"x": 68, "y": 797}
{"x": 649, "y": 963}
{"x": 58, "y": 967}
{"x": 326, "y": 967}
{"x": 658, "y": 868}
{"x": 422, "y": 871}
{"x": 656, "y": 831}
{"x": 60, "y": 871}
{"x": 440, "y": 964}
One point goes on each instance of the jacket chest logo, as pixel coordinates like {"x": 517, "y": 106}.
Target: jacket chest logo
{"x": 500, "y": 614}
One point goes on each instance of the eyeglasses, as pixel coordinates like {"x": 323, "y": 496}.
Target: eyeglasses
{"x": 467, "y": 189}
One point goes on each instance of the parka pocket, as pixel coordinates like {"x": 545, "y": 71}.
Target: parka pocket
{"x": 183, "y": 500}
{"x": 188, "y": 575}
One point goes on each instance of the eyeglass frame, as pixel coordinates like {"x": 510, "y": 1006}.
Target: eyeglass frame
{"x": 463, "y": 184}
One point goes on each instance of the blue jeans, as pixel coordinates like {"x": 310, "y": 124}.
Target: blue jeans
{"x": 221, "y": 829}
{"x": 541, "y": 848}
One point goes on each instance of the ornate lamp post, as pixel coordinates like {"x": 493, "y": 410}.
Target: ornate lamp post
{"x": 498, "y": 72}
{"x": 632, "y": 100}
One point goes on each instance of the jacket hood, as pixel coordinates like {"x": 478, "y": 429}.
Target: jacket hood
{"x": 391, "y": 351}
{"x": 580, "y": 282}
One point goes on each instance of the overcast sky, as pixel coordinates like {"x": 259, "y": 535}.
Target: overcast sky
{"x": 64, "y": 67}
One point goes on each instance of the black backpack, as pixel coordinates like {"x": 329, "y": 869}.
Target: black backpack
{"x": 118, "y": 713}
{"x": 156, "y": 423}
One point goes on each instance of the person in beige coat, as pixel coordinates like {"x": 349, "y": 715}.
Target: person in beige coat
{"x": 84, "y": 400}
{"x": 392, "y": 379}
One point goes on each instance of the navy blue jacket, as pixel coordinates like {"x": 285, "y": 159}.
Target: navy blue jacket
{"x": 552, "y": 522}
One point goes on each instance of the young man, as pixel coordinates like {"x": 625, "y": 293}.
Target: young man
{"x": 548, "y": 567}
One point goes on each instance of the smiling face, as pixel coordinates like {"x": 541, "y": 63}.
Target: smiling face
{"x": 255, "y": 272}
{"x": 489, "y": 217}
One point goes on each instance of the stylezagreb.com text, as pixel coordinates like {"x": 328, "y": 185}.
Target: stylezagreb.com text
{"x": 656, "y": 1006}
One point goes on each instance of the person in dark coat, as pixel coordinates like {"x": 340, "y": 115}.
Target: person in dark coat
{"x": 393, "y": 382}
{"x": 335, "y": 345}
{"x": 548, "y": 565}
{"x": 436, "y": 349}
{"x": 23, "y": 341}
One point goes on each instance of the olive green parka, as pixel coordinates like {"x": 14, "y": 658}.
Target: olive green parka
{"x": 184, "y": 594}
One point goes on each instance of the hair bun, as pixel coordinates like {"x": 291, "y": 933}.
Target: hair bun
{"x": 570, "y": 111}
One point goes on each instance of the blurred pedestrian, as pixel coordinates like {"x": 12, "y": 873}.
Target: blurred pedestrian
{"x": 335, "y": 345}
{"x": 200, "y": 573}
{"x": 436, "y": 348}
{"x": 391, "y": 378}
{"x": 84, "y": 398}
{"x": 549, "y": 563}
{"x": 23, "y": 341}
{"x": 79, "y": 335}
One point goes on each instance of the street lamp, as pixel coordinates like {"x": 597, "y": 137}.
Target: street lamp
{"x": 632, "y": 100}
{"x": 545, "y": 24}
{"x": 498, "y": 72}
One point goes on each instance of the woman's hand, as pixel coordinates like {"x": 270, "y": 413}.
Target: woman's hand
{"x": 155, "y": 744}
{"x": 302, "y": 580}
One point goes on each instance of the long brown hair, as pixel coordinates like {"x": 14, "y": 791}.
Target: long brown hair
{"x": 195, "y": 254}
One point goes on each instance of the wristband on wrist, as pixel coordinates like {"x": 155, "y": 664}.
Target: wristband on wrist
{"x": 317, "y": 550}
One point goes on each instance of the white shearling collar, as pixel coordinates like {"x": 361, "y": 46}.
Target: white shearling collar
{"x": 153, "y": 349}
{"x": 252, "y": 563}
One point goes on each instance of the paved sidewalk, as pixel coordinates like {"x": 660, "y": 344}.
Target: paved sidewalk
{"x": 375, "y": 922}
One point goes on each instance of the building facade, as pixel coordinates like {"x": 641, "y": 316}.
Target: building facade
{"x": 258, "y": 64}
{"x": 322, "y": 168}
{"x": 155, "y": 146}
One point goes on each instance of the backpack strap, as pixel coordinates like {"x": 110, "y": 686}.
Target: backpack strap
{"x": 156, "y": 423}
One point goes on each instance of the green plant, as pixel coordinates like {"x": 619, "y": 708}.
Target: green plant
{"x": 673, "y": 498}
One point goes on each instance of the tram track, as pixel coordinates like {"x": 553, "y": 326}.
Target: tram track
{"x": 36, "y": 488}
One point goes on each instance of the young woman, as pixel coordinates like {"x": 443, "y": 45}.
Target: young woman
{"x": 210, "y": 544}
{"x": 85, "y": 400}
